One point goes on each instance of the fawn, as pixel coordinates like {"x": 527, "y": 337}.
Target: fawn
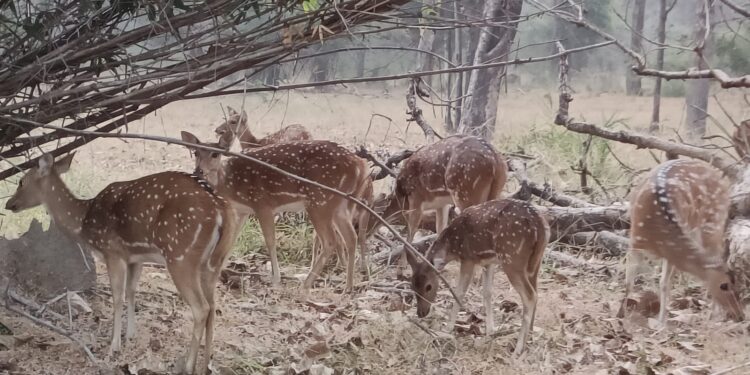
{"x": 507, "y": 232}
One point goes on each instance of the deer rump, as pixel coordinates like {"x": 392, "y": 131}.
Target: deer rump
{"x": 680, "y": 197}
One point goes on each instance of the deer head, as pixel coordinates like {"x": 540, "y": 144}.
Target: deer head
{"x": 28, "y": 194}
{"x": 207, "y": 163}
{"x": 235, "y": 124}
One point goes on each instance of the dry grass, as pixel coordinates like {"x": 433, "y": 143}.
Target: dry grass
{"x": 262, "y": 329}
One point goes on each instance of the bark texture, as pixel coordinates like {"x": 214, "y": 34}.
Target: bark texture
{"x": 494, "y": 43}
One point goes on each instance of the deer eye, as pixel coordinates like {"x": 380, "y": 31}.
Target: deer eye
{"x": 428, "y": 287}
{"x": 214, "y": 155}
{"x": 724, "y": 286}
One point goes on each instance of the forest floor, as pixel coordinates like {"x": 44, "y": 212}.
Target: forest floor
{"x": 261, "y": 329}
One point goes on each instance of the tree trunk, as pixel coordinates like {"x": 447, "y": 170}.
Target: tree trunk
{"x": 696, "y": 98}
{"x": 633, "y": 81}
{"x": 661, "y": 38}
{"x": 426, "y": 42}
{"x": 494, "y": 43}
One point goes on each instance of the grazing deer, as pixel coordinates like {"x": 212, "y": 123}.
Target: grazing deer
{"x": 255, "y": 189}
{"x": 507, "y": 232}
{"x": 679, "y": 214}
{"x": 171, "y": 218}
{"x": 236, "y": 127}
{"x": 460, "y": 170}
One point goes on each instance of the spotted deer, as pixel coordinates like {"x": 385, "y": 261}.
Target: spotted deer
{"x": 254, "y": 189}
{"x": 679, "y": 213}
{"x": 460, "y": 170}
{"x": 171, "y": 218}
{"x": 505, "y": 232}
{"x": 236, "y": 127}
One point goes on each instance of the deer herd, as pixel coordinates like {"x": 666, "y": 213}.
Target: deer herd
{"x": 189, "y": 221}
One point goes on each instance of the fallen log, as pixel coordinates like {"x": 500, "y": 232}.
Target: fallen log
{"x": 605, "y": 241}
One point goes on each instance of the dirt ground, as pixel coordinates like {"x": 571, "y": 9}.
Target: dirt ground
{"x": 375, "y": 330}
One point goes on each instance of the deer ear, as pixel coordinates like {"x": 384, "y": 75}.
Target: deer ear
{"x": 243, "y": 118}
{"x": 189, "y": 137}
{"x": 225, "y": 141}
{"x": 45, "y": 164}
{"x": 231, "y": 111}
{"x": 411, "y": 258}
{"x": 63, "y": 165}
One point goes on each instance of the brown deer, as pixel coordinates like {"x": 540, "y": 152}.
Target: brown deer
{"x": 254, "y": 189}
{"x": 236, "y": 127}
{"x": 171, "y": 218}
{"x": 507, "y": 232}
{"x": 679, "y": 213}
{"x": 460, "y": 170}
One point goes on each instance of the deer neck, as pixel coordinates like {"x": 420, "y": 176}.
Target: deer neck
{"x": 66, "y": 210}
{"x": 247, "y": 139}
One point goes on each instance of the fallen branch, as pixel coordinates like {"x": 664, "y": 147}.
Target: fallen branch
{"x": 565, "y": 221}
{"x": 724, "y": 79}
{"x": 518, "y": 167}
{"x": 614, "y": 244}
{"x": 55, "y": 329}
{"x": 568, "y": 260}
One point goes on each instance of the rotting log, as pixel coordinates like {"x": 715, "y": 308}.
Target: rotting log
{"x": 611, "y": 243}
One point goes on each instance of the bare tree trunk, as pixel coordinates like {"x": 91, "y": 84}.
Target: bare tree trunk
{"x": 633, "y": 81}
{"x": 661, "y": 38}
{"x": 426, "y": 42}
{"x": 480, "y": 108}
{"x": 696, "y": 98}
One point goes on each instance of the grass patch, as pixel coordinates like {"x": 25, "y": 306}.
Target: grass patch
{"x": 558, "y": 153}
{"x": 294, "y": 238}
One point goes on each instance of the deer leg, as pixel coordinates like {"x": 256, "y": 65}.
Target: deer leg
{"x": 523, "y": 285}
{"x": 117, "y": 269}
{"x": 464, "y": 280}
{"x": 489, "y": 272}
{"x": 633, "y": 260}
{"x": 350, "y": 245}
{"x": 362, "y": 239}
{"x": 267, "y": 225}
{"x": 191, "y": 290}
{"x": 134, "y": 273}
{"x": 326, "y": 234}
{"x": 413, "y": 218}
{"x": 441, "y": 218}
{"x": 209, "y": 288}
{"x": 665, "y": 284}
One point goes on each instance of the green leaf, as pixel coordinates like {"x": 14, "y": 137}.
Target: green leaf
{"x": 180, "y": 4}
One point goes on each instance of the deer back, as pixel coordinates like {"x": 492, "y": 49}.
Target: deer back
{"x": 169, "y": 210}
{"x": 288, "y": 134}
{"x": 324, "y": 162}
{"x": 504, "y": 231}
{"x": 680, "y": 213}
{"x": 453, "y": 164}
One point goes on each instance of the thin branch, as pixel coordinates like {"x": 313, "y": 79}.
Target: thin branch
{"x": 391, "y": 77}
{"x": 736, "y": 8}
